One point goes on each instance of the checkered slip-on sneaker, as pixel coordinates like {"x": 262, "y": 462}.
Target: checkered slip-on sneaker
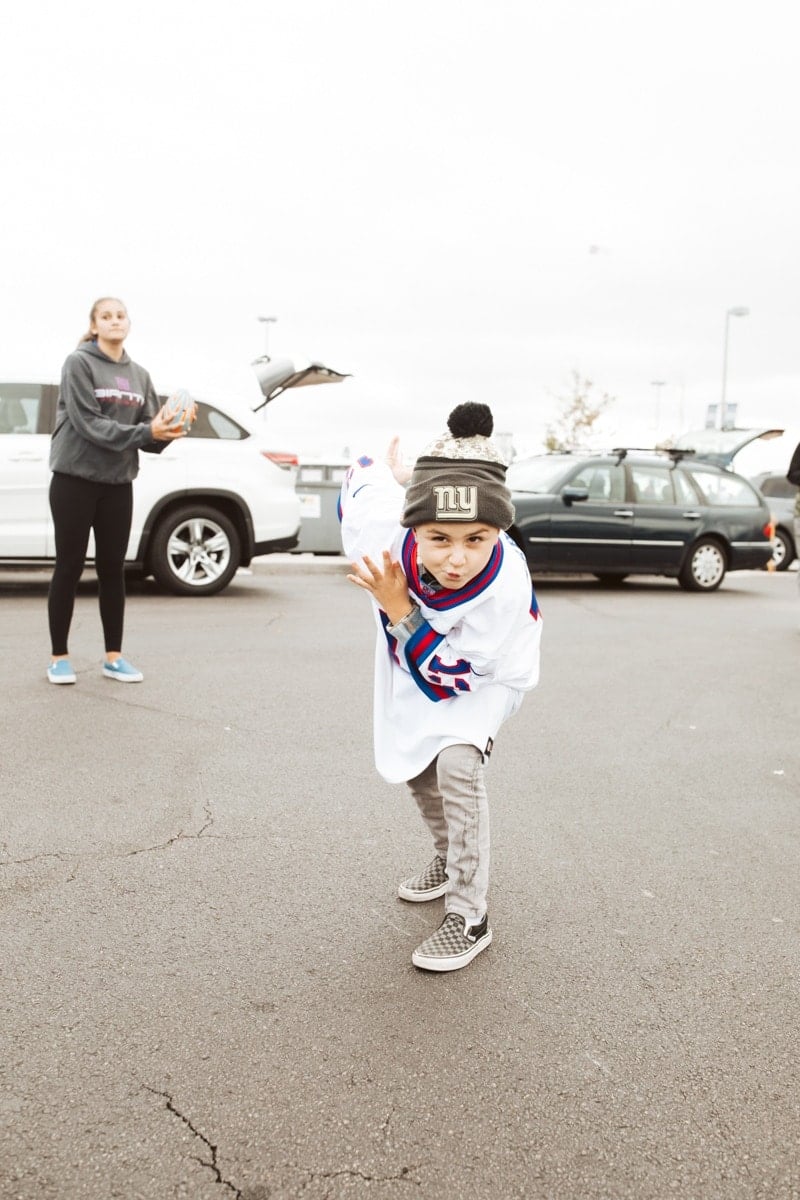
{"x": 453, "y": 945}
{"x": 428, "y": 885}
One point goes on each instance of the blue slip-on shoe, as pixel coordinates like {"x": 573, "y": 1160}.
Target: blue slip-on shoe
{"x": 122, "y": 670}
{"x": 61, "y": 672}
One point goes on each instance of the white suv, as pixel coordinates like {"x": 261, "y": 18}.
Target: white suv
{"x": 204, "y": 507}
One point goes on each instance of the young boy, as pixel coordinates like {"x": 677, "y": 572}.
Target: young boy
{"x": 458, "y": 646}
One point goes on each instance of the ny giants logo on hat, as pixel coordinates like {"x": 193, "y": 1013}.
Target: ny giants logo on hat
{"x": 456, "y": 501}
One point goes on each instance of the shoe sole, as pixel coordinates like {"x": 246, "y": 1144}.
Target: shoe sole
{"x": 123, "y": 678}
{"x": 455, "y": 963}
{"x": 420, "y": 897}
{"x": 64, "y": 679}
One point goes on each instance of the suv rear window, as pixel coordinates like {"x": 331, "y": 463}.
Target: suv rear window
{"x": 211, "y": 423}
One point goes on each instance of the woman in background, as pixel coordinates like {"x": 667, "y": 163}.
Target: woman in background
{"x": 107, "y": 412}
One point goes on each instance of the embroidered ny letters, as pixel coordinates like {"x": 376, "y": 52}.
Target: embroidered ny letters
{"x": 456, "y": 501}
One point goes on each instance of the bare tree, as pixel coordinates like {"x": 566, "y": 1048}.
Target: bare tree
{"x": 578, "y": 415}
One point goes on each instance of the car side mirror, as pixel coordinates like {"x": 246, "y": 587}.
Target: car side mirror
{"x": 570, "y": 494}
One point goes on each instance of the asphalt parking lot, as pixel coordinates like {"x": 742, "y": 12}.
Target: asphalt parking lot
{"x": 206, "y": 985}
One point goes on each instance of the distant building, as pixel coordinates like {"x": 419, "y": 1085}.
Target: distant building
{"x": 712, "y": 416}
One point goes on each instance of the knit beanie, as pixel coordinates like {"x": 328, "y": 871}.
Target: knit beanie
{"x": 462, "y": 475}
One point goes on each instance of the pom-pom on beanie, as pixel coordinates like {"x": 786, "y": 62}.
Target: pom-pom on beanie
{"x": 462, "y": 475}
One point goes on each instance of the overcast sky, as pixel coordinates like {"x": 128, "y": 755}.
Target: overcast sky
{"x": 450, "y": 199}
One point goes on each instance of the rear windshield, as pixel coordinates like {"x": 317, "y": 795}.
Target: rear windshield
{"x": 211, "y": 423}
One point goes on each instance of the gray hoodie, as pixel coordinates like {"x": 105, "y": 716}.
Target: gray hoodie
{"x": 103, "y": 417}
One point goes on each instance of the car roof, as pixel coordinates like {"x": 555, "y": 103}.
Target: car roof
{"x": 636, "y": 454}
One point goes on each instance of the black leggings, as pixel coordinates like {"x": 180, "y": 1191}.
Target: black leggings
{"x": 79, "y": 505}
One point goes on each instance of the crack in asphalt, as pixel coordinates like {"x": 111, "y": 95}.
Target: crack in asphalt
{"x": 404, "y": 1176}
{"x": 210, "y": 1166}
{"x": 57, "y": 854}
{"x": 180, "y": 836}
{"x": 77, "y": 859}
{"x": 62, "y": 857}
{"x": 20, "y": 862}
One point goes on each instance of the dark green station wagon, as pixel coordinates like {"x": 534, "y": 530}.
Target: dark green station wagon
{"x": 632, "y": 512}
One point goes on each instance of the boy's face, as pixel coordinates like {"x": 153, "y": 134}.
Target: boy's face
{"x": 454, "y": 551}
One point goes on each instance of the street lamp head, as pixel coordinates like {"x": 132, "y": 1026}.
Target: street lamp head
{"x": 739, "y": 311}
{"x": 266, "y": 322}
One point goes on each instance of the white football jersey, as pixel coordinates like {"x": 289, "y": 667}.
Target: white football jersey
{"x": 476, "y": 652}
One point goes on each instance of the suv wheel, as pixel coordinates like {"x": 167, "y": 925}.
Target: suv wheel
{"x": 704, "y": 568}
{"x": 784, "y": 553}
{"x": 195, "y": 551}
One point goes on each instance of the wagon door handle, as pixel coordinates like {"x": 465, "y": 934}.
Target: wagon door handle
{"x": 623, "y": 512}
{"x": 692, "y": 515}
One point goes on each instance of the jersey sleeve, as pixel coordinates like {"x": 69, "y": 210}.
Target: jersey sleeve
{"x": 370, "y": 508}
{"x": 496, "y": 642}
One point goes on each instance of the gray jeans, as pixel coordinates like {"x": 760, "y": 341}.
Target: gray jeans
{"x": 451, "y": 797}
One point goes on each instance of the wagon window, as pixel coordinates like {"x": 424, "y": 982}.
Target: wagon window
{"x": 602, "y": 481}
{"x": 684, "y": 490}
{"x": 652, "y": 485}
{"x": 725, "y": 489}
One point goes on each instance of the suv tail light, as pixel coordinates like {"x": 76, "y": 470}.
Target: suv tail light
{"x": 282, "y": 458}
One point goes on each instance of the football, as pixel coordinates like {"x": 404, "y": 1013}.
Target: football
{"x": 179, "y": 408}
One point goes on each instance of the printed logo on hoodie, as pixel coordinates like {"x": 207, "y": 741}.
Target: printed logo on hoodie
{"x": 121, "y": 394}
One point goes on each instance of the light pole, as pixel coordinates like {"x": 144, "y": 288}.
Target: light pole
{"x": 267, "y": 321}
{"x": 658, "y": 384}
{"x": 737, "y": 311}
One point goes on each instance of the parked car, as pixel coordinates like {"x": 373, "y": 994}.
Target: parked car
{"x": 204, "y": 507}
{"x": 629, "y": 512}
{"x": 780, "y": 496}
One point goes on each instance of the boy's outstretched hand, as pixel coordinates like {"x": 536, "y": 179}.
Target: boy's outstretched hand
{"x": 394, "y": 460}
{"x": 388, "y": 586}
